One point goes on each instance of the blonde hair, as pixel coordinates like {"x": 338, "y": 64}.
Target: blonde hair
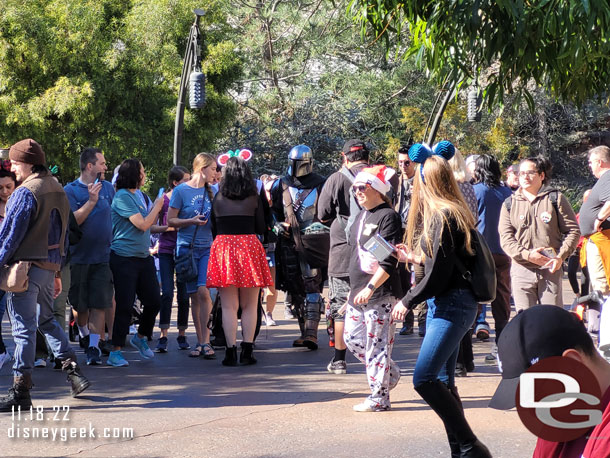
{"x": 458, "y": 165}
{"x": 436, "y": 201}
{"x": 201, "y": 161}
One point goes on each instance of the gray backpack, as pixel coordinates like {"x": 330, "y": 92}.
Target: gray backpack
{"x": 354, "y": 206}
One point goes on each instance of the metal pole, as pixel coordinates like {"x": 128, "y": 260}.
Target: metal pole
{"x": 187, "y": 67}
{"x": 440, "y": 112}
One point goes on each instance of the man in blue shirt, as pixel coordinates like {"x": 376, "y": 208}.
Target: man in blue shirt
{"x": 91, "y": 287}
{"x": 34, "y": 232}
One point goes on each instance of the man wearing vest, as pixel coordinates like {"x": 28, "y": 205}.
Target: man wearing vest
{"x": 595, "y": 227}
{"x": 34, "y": 230}
{"x": 338, "y": 207}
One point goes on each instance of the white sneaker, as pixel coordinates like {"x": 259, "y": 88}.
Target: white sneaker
{"x": 133, "y": 329}
{"x": 269, "y": 320}
{"x": 366, "y": 407}
{"x": 5, "y": 358}
{"x": 288, "y": 315}
{"x": 40, "y": 363}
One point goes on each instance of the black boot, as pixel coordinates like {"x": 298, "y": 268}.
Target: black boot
{"x": 440, "y": 398}
{"x": 78, "y": 381}
{"x": 245, "y": 357}
{"x": 18, "y": 394}
{"x": 311, "y": 334}
{"x": 299, "y": 342}
{"x": 230, "y": 356}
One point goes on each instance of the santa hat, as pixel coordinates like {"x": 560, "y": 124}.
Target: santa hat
{"x": 378, "y": 177}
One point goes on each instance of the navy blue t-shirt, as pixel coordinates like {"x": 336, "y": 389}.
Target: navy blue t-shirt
{"x": 490, "y": 201}
{"x": 94, "y": 246}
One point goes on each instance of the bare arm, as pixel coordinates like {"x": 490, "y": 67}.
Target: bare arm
{"x": 144, "y": 224}
{"x": 82, "y": 213}
{"x": 174, "y": 221}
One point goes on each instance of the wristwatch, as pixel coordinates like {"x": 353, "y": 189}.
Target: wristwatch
{"x": 371, "y": 287}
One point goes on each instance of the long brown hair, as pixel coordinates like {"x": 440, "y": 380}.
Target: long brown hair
{"x": 201, "y": 161}
{"x": 438, "y": 199}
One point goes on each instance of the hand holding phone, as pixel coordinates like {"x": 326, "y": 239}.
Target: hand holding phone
{"x": 98, "y": 177}
{"x": 160, "y": 193}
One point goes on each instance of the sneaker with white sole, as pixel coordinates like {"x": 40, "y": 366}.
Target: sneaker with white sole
{"x": 269, "y": 320}
{"x": 337, "y": 367}
{"x": 40, "y": 363}
{"x": 141, "y": 344}
{"x": 5, "y": 358}
{"x": 116, "y": 359}
{"x": 93, "y": 356}
{"x": 366, "y": 407}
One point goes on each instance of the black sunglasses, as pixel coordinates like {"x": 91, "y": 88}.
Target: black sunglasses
{"x": 360, "y": 187}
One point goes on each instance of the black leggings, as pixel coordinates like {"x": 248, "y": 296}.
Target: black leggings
{"x": 134, "y": 276}
{"x": 573, "y": 268}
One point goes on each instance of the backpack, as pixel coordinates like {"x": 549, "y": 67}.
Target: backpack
{"x": 482, "y": 276}
{"x": 354, "y": 206}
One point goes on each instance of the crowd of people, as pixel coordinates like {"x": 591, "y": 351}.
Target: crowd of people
{"x": 386, "y": 243}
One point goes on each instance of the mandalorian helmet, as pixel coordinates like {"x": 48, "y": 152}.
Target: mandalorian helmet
{"x": 301, "y": 161}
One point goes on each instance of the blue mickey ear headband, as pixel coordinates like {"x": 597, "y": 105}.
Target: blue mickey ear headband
{"x": 419, "y": 152}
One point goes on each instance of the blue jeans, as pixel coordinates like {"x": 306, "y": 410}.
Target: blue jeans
{"x": 450, "y": 316}
{"x": 22, "y": 311}
{"x": 3, "y": 298}
{"x": 481, "y": 318}
{"x": 166, "y": 270}
{"x": 202, "y": 255}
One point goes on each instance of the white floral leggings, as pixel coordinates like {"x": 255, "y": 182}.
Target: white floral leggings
{"x": 369, "y": 335}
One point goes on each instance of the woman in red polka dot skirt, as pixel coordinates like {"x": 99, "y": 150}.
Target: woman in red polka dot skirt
{"x": 238, "y": 265}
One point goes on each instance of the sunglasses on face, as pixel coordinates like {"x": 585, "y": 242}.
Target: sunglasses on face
{"x": 360, "y": 187}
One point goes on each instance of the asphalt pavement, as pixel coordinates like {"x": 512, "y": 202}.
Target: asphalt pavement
{"x": 287, "y": 405}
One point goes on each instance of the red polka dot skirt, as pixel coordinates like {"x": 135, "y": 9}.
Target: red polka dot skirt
{"x": 238, "y": 260}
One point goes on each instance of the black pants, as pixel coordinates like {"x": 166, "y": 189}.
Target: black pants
{"x": 573, "y": 268}
{"x": 134, "y": 276}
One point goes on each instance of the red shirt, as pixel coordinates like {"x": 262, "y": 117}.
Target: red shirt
{"x": 574, "y": 449}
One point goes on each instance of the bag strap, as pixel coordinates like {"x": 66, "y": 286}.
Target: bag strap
{"x": 466, "y": 273}
{"x": 201, "y": 213}
{"x": 291, "y": 217}
{"x": 350, "y": 176}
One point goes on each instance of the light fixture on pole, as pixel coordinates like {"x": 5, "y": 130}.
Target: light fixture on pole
{"x": 194, "y": 78}
{"x": 474, "y": 104}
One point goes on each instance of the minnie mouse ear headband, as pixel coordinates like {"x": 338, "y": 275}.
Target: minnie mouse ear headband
{"x": 378, "y": 177}
{"x": 245, "y": 154}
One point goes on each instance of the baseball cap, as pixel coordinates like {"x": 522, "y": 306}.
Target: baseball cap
{"x": 539, "y": 332}
{"x": 353, "y": 145}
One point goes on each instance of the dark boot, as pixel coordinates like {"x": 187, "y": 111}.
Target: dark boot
{"x": 440, "y": 398}
{"x": 245, "y": 357}
{"x": 311, "y": 334}
{"x": 300, "y": 342}
{"x": 18, "y": 394}
{"x": 78, "y": 381}
{"x": 230, "y": 356}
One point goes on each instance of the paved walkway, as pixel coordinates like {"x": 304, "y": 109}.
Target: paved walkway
{"x": 286, "y": 406}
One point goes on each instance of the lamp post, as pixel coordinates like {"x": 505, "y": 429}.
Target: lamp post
{"x": 194, "y": 78}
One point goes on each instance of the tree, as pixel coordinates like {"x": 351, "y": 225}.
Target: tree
{"x": 78, "y": 73}
{"x": 504, "y": 45}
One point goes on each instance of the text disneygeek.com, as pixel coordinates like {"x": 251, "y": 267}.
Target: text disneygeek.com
{"x": 53, "y": 424}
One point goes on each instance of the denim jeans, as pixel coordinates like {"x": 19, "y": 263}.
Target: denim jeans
{"x": 166, "y": 270}
{"x": 3, "y": 298}
{"x": 202, "y": 256}
{"x": 450, "y": 316}
{"x": 22, "y": 311}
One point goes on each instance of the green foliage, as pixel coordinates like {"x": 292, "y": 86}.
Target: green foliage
{"x": 561, "y": 45}
{"x": 78, "y": 73}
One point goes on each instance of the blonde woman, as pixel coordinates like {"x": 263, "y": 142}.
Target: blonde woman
{"x": 438, "y": 232}
{"x": 190, "y": 207}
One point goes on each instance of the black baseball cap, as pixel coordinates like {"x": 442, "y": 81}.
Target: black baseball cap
{"x": 539, "y": 332}
{"x": 353, "y": 145}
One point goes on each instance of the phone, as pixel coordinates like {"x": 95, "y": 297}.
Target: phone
{"x": 160, "y": 193}
{"x": 379, "y": 247}
{"x": 206, "y": 214}
{"x": 548, "y": 252}
{"x": 98, "y": 177}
